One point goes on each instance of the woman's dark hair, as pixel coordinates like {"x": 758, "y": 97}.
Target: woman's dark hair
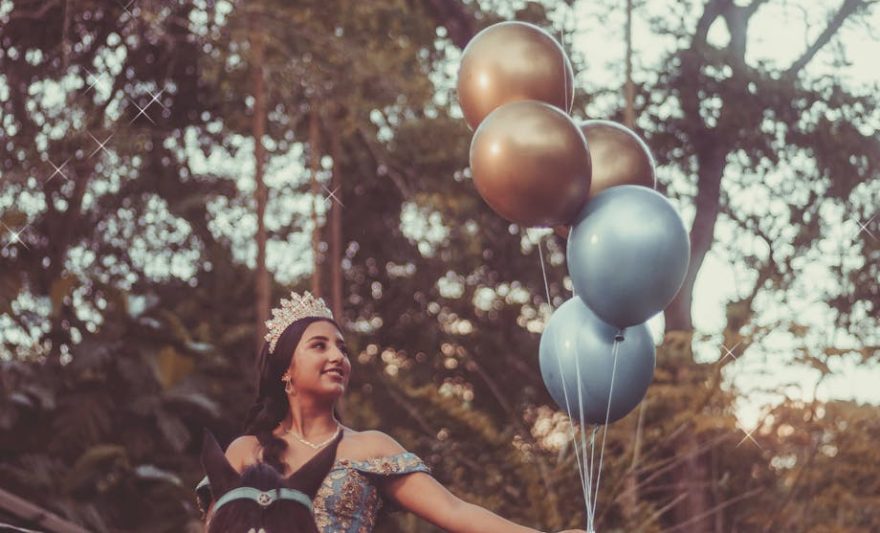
{"x": 271, "y": 406}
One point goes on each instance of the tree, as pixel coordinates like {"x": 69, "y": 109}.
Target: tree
{"x": 127, "y": 306}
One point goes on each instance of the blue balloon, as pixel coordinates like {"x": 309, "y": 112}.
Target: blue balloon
{"x": 628, "y": 254}
{"x": 576, "y": 343}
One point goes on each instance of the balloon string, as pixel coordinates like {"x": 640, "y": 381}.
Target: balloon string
{"x": 589, "y": 483}
{"x": 564, "y": 77}
{"x": 592, "y": 454}
{"x": 564, "y": 55}
{"x": 585, "y": 488}
{"x": 614, "y": 351}
{"x": 592, "y": 463}
{"x": 544, "y": 273}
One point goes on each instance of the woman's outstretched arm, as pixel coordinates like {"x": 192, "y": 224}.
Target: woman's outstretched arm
{"x": 425, "y": 497}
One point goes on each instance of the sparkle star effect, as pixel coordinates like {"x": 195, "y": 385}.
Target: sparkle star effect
{"x": 332, "y": 195}
{"x": 58, "y": 170}
{"x": 100, "y": 145}
{"x": 126, "y": 7}
{"x": 143, "y": 110}
{"x": 864, "y": 227}
{"x": 729, "y": 351}
{"x": 16, "y": 236}
{"x": 96, "y": 79}
{"x": 749, "y": 437}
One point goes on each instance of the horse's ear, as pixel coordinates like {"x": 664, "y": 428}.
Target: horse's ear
{"x": 221, "y": 475}
{"x": 311, "y": 475}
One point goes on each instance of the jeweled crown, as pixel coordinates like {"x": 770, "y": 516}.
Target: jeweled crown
{"x": 296, "y": 308}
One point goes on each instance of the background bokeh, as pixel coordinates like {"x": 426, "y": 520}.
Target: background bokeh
{"x": 135, "y": 269}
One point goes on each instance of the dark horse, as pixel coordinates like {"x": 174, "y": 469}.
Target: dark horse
{"x": 260, "y": 498}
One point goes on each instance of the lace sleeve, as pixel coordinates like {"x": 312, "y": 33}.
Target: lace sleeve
{"x": 401, "y": 463}
{"x": 389, "y": 466}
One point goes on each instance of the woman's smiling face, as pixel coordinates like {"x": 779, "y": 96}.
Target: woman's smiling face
{"x": 320, "y": 364}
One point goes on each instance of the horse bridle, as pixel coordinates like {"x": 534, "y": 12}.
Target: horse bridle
{"x": 264, "y": 498}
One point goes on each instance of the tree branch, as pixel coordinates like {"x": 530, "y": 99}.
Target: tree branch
{"x": 36, "y": 14}
{"x": 543, "y": 470}
{"x": 454, "y": 16}
{"x": 396, "y": 175}
{"x": 753, "y": 7}
{"x": 715, "y": 509}
{"x": 413, "y": 412}
{"x": 659, "y": 512}
{"x": 846, "y": 9}
{"x": 711, "y": 12}
{"x": 795, "y": 485}
{"x": 665, "y": 465}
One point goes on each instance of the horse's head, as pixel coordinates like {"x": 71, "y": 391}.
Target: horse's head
{"x": 258, "y": 499}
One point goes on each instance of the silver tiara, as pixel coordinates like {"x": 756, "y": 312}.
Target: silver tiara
{"x": 298, "y": 307}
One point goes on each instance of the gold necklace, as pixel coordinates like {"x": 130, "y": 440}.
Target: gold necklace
{"x": 313, "y": 445}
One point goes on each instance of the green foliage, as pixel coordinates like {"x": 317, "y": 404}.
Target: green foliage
{"x": 126, "y": 312}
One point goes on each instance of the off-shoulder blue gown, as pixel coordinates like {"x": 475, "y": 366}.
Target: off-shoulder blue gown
{"x": 349, "y": 499}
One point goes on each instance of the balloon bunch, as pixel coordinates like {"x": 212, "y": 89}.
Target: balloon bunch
{"x": 627, "y": 250}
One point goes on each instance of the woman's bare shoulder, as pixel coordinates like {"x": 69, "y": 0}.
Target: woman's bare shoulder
{"x": 243, "y": 451}
{"x": 373, "y": 443}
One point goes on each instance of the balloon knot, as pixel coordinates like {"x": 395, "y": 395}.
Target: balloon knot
{"x": 619, "y": 336}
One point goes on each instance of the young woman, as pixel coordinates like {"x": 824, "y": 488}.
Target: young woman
{"x": 304, "y": 371}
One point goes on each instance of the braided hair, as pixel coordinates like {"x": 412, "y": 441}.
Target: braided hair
{"x": 271, "y": 406}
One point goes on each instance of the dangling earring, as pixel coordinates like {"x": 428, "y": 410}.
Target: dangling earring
{"x": 288, "y": 385}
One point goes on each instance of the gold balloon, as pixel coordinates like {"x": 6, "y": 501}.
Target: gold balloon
{"x": 619, "y": 156}
{"x": 531, "y": 164}
{"x": 512, "y": 61}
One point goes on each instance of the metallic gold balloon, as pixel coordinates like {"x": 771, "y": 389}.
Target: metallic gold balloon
{"x": 619, "y": 156}
{"x": 531, "y": 164}
{"x": 512, "y": 61}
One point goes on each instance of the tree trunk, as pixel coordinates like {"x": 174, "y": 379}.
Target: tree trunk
{"x": 691, "y": 477}
{"x": 315, "y": 166}
{"x": 716, "y": 493}
{"x": 629, "y": 110}
{"x": 336, "y": 206}
{"x": 712, "y": 161}
{"x": 629, "y": 501}
{"x": 259, "y": 129}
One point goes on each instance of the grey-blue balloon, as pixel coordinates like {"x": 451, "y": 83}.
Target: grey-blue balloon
{"x": 575, "y": 343}
{"x": 628, "y": 254}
